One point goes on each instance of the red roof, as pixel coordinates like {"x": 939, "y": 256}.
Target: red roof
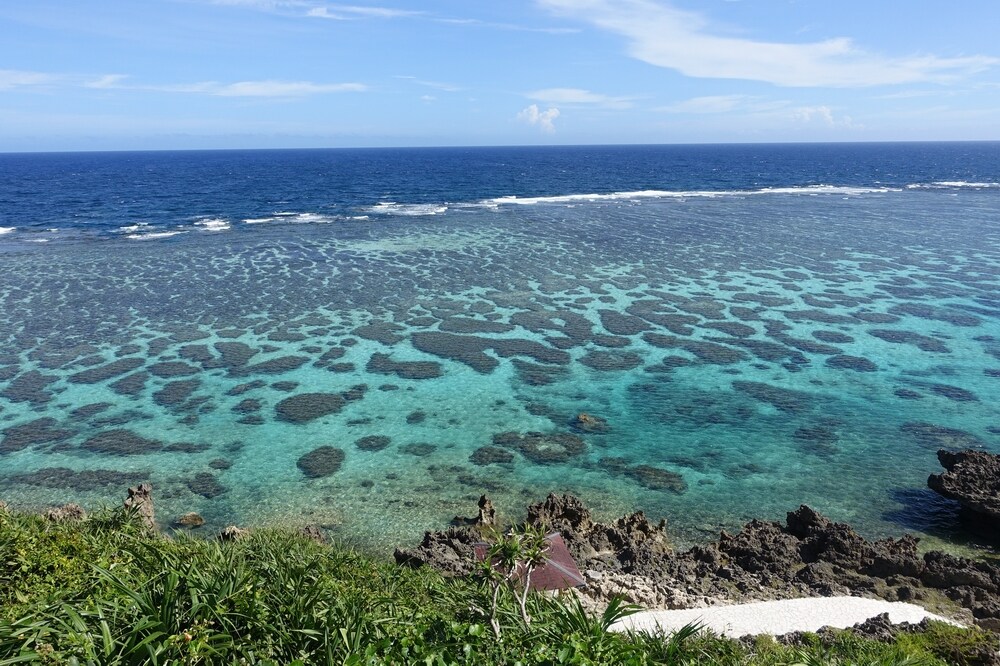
{"x": 559, "y": 571}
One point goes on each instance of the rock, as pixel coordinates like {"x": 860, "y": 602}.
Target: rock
{"x": 487, "y": 515}
{"x": 809, "y": 555}
{"x": 313, "y": 533}
{"x": 65, "y": 513}
{"x": 190, "y": 520}
{"x": 324, "y": 461}
{"x": 973, "y": 479}
{"x": 140, "y": 501}
{"x": 233, "y": 533}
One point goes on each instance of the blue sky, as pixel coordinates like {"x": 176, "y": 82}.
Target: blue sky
{"x": 133, "y": 74}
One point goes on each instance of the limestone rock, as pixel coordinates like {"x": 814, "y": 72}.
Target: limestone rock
{"x": 233, "y": 533}
{"x": 65, "y": 513}
{"x": 140, "y": 499}
{"x": 190, "y": 520}
{"x": 973, "y": 479}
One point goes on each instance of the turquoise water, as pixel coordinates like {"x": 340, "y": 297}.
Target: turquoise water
{"x": 748, "y": 353}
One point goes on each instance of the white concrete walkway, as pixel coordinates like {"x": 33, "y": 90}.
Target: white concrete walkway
{"x": 776, "y": 617}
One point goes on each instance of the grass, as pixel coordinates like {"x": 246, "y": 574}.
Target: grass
{"x": 104, "y": 591}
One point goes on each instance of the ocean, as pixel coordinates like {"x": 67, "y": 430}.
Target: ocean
{"x": 368, "y": 340}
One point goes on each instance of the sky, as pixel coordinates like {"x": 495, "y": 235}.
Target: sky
{"x": 179, "y": 74}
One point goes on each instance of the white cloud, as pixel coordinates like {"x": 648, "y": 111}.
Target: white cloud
{"x": 661, "y": 35}
{"x": 106, "y": 81}
{"x": 578, "y": 96}
{"x": 280, "y": 88}
{"x": 437, "y": 85}
{"x": 821, "y": 115}
{"x": 13, "y": 78}
{"x": 543, "y": 119}
{"x": 707, "y": 104}
{"x": 348, "y": 12}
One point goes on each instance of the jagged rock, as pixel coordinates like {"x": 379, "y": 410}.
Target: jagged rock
{"x": 809, "y": 555}
{"x": 487, "y": 515}
{"x": 973, "y": 479}
{"x": 313, "y": 533}
{"x": 140, "y": 500}
{"x": 190, "y": 520}
{"x": 65, "y": 513}
{"x": 233, "y": 533}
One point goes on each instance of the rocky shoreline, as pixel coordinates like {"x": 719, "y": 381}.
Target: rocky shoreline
{"x": 808, "y": 555}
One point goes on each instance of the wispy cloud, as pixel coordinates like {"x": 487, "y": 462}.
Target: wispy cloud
{"x": 706, "y": 104}
{"x": 544, "y": 120}
{"x": 349, "y": 12}
{"x": 14, "y": 78}
{"x": 662, "y": 35}
{"x": 436, "y": 85}
{"x": 314, "y": 9}
{"x": 262, "y": 88}
{"x": 281, "y": 88}
{"x": 106, "y": 82}
{"x": 506, "y": 26}
{"x": 579, "y": 96}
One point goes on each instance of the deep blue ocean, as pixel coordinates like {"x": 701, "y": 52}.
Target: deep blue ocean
{"x": 370, "y": 339}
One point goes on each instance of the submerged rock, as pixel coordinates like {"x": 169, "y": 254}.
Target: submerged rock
{"x": 589, "y": 424}
{"x": 306, "y": 407}
{"x": 542, "y": 448}
{"x": 121, "y": 442}
{"x": 324, "y": 461}
{"x": 190, "y": 520}
{"x": 490, "y": 455}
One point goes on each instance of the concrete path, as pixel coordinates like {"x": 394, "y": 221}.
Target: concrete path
{"x": 776, "y": 617}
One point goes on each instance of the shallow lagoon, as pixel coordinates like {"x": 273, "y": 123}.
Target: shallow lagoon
{"x": 747, "y": 353}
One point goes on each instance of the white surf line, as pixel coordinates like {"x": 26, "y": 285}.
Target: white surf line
{"x": 776, "y": 617}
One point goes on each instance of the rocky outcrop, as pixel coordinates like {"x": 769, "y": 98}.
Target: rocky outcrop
{"x": 140, "y": 500}
{"x": 808, "y": 555}
{"x": 65, "y": 513}
{"x": 973, "y": 479}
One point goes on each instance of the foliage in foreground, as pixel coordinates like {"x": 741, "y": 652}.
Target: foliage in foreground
{"x": 105, "y": 592}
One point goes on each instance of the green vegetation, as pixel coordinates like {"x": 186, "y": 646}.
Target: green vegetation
{"x": 103, "y": 591}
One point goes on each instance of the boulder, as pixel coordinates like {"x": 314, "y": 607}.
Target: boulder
{"x": 140, "y": 500}
{"x": 973, "y": 479}
{"x": 190, "y": 520}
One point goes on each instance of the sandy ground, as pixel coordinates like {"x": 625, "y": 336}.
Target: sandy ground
{"x": 776, "y": 617}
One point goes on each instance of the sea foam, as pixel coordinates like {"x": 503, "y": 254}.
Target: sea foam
{"x": 213, "y": 224}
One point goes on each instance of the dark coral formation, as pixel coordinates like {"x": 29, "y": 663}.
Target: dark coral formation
{"x": 324, "y": 461}
{"x": 372, "y": 443}
{"x": 384, "y": 365}
{"x": 306, "y": 407}
{"x": 542, "y": 448}
{"x": 121, "y": 442}
{"x": 489, "y": 455}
